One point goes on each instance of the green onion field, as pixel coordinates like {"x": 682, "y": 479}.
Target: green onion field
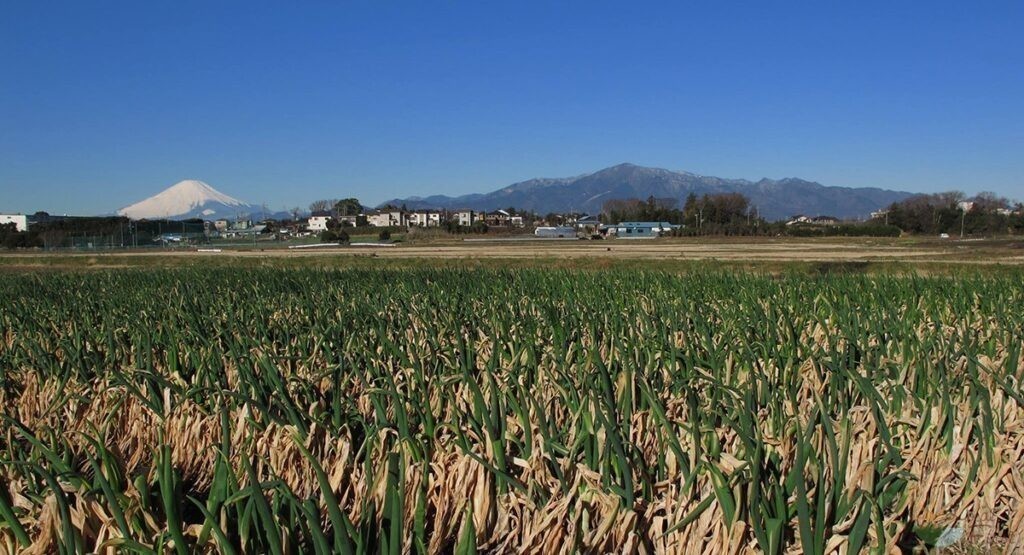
{"x": 263, "y": 410}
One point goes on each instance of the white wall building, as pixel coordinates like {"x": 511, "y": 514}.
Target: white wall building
{"x": 318, "y": 223}
{"x": 387, "y": 219}
{"x": 555, "y": 232}
{"x": 465, "y": 217}
{"x": 424, "y": 219}
{"x": 20, "y": 221}
{"x": 352, "y": 220}
{"x": 418, "y": 219}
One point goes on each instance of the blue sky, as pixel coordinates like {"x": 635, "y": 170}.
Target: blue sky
{"x": 105, "y": 103}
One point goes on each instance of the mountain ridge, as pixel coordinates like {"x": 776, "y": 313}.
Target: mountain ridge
{"x": 775, "y": 199}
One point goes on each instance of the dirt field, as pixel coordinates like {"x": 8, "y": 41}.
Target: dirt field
{"x": 903, "y": 253}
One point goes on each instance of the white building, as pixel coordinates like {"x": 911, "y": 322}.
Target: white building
{"x": 559, "y": 232}
{"x": 816, "y": 220}
{"x": 318, "y": 223}
{"x": 247, "y": 231}
{"x": 424, "y": 219}
{"x": 465, "y": 218}
{"x": 20, "y": 221}
{"x": 387, "y": 219}
{"x": 352, "y": 220}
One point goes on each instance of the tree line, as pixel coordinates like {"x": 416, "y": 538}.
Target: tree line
{"x": 708, "y": 214}
{"x": 953, "y": 213}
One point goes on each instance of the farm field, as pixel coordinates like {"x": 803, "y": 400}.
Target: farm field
{"x": 453, "y": 409}
{"x": 924, "y": 256}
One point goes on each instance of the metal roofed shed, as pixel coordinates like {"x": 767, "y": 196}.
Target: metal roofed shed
{"x": 642, "y": 230}
{"x": 555, "y": 232}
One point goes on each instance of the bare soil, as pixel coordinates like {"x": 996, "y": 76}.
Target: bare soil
{"x": 752, "y": 251}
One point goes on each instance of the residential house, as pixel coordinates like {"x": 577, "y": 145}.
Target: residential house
{"x": 356, "y": 220}
{"x": 425, "y": 219}
{"x": 318, "y": 221}
{"x": 587, "y": 223}
{"x": 498, "y": 218}
{"x": 393, "y": 218}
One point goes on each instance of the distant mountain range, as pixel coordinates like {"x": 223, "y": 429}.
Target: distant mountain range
{"x": 775, "y": 199}
{"x": 193, "y": 199}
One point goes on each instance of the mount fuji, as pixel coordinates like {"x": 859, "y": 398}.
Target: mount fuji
{"x": 189, "y": 199}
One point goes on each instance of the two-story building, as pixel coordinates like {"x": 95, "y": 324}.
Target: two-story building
{"x": 387, "y": 218}
{"x": 498, "y": 218}
{"x": 318, "y": 221}
{"x": 425, "y": 219}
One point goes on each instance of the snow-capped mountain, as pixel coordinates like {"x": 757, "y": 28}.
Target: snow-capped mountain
{"x": 189, "y": 199}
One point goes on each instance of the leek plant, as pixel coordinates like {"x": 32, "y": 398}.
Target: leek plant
{"x": 441, "y": 410}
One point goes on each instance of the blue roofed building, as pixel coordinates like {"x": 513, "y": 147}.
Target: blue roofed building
{"x": 642, "y": 230}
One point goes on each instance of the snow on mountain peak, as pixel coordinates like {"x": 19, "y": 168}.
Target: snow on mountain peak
{"x": 188, "y": 198}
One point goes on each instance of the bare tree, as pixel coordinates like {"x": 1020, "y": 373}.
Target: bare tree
{"x": 987, "y": 201}
{"x": 322, "y": 205}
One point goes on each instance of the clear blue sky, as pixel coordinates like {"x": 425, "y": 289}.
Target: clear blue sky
{"x": 105, "y": 103}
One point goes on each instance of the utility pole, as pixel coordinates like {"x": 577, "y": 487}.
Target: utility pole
{"x": 963, "y": 220}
